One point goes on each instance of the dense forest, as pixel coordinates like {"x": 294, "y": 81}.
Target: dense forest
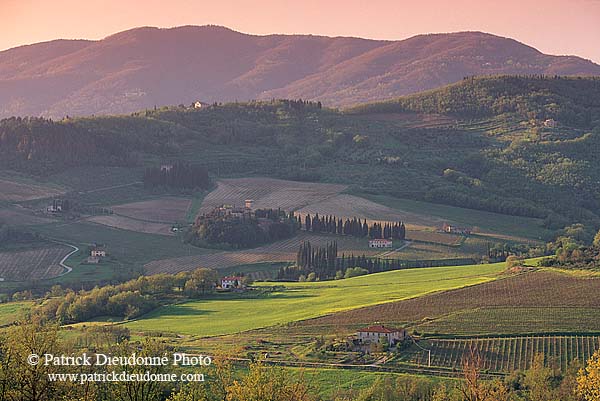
{"x": 245, "y": 230}
{"x": 564, "y": 99}
{"x": 490, "y": 150}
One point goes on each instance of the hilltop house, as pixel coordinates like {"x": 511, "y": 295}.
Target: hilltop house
{"x": 199, "y": 105}
{"x": 374, "y": 334}
{"x": 380, "y": 243}
{"x": 232, "y": 282}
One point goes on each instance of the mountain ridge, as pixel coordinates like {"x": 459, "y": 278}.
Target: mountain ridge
{"x": 144, "y": 67}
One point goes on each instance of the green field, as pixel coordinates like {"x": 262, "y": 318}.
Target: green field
{"x": 12, "y": 311}
{"x": 297, "y": 301}
{"x": 497, "y": 223}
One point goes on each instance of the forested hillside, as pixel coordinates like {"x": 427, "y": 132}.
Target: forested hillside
{"x": 484, "y": 143}
{"x": 144, "y": 67}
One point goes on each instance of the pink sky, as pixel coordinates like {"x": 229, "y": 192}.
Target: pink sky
{"x": 552, "y": 26}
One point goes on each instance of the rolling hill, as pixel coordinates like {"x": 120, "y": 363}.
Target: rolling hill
{"x": 480, "y": 143}
{"x": 144, "y": 67}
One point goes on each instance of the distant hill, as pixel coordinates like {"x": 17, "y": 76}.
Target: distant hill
{"x": 144, "y": 67}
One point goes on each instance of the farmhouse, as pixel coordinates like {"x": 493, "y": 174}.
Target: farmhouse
{"x": 381, "y": 332}
{"x": 449, "y": 228}
{"x": 99, "y": 253}
{"x": 550, "y": 123}
{"x": 199, "y": 105}
{"x": 232, "y": 282}
{"x": 57, "y": 206}
{"x": 380, "y": 243}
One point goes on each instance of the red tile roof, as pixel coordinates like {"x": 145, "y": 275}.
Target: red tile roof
{"x": 379, "y": 329}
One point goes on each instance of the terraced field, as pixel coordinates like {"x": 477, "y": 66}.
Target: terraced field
{"x": 35, "y": 264}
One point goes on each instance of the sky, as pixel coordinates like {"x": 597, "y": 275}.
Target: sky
{"x": 552, "y": 26}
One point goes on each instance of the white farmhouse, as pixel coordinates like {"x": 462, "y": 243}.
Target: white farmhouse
{"x": 374, "y": 334}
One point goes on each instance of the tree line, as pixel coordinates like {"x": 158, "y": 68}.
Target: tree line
{"x": 127, "y": 300}
{"x": 354, "y": 226}
{"x": 323, "y": 263}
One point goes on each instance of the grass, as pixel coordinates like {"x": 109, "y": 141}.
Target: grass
{"x": 197, "y": 199}
{"x": 12, "y": 311}
{"x": 298, "y": 301}
{"x": 525, "y": 227}
{"x": 331, "y": 382}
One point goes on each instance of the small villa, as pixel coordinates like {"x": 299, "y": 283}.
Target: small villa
{"x": 377, "y": 333}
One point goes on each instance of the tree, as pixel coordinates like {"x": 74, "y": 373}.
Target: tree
{"x": 21, "y": 381}
{"x": 588, "y": 379}
{"x": 268, "y": 383}
{"x": 538, "y": 380}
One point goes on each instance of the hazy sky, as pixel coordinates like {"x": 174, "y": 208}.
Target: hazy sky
{"x": 552, "y": 26}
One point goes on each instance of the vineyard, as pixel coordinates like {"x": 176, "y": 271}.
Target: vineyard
{"x": 35, "y": 264}
{"x": 525, "y": 303}
{"x": 504, "y": 354}
{"x": 268, "y": 193}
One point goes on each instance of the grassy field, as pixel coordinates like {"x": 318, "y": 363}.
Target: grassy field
{"x": 297, "y": 301}
{"x": 486, "y": 221}
{"x": 12, "y": 311}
